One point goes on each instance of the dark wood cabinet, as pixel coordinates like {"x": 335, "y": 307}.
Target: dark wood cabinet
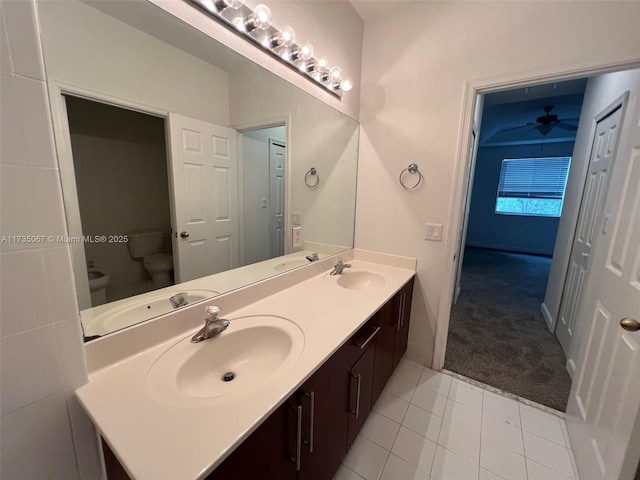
{"x": 393, "y": 319}
{"x": 361, "y": 379}
{"x": 324, "y": 399}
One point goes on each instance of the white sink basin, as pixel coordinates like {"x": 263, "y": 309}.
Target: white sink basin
{"x": 253, "y": 350}
{"x": 138, "y": 311}
{"x": 356, "y": 278}
{"x": 290, "y": 264}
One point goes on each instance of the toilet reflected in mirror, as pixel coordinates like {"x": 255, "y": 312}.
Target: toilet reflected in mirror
{"x": 150, "y": 246}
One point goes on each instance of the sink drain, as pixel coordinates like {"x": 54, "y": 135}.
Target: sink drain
{"x": 227, "y": 377}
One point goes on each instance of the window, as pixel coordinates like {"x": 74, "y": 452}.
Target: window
{"x": 532, "y": 186}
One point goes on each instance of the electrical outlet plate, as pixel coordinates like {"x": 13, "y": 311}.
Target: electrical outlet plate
{"x": 433, "y": 232}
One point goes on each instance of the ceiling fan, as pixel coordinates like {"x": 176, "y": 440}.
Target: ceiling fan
{"x": 545, "y": 123}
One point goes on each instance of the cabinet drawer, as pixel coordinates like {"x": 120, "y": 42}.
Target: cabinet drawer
{"x": 361, "y": 340}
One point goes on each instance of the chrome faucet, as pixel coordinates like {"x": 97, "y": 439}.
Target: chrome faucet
{"x": 313, "y": 257}
{"x": 179, "y": 300}
{"x": 213, "y": 326}
{"x": 339, "y": 267}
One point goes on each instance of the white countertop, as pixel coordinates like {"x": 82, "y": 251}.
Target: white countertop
{"x": 156, "y": 441}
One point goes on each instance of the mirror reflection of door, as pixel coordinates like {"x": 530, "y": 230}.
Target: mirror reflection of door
{"x": 277, "y": 156}
{"x": 264, "y": 184}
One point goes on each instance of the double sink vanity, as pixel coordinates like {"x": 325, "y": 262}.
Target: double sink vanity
{"x": 280, "y": 394}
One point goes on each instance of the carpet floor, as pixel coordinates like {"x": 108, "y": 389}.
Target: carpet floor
{"x": 497, "y": 334}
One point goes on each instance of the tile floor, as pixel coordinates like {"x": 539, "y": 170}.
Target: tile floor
{"x": 428, "y": 425}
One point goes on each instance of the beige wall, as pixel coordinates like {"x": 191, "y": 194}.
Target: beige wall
{"x": 417, "y": 57}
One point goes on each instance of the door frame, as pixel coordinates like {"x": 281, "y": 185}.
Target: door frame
{"x": 280, "y": 121}
{"x": 473, "y": 88}
{"x": 57, "y": 89}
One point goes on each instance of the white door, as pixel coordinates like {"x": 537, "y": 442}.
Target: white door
{"x": 204, "y": 180}
{"x": 600, "y": 162}
{"x": 605, "y": 397}
{"x": 277, "y": 168}
{"x": 466, "y": 202}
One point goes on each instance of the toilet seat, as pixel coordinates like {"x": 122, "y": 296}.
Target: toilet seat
{"x": 158, "y": 260}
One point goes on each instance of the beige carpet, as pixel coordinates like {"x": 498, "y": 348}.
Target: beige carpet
{"x": 497, "y": 334}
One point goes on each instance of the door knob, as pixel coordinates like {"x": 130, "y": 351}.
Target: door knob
{"x": 630, "y": 324}
{"x": 184, "y": 234}
{"x": 585, "y": 255}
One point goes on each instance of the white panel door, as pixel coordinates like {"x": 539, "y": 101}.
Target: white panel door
{"x": 277, "y": 168}
{"x": 605, "y": 396}
{"x": 600, "y": 162}
{"x": 204, "y": 181}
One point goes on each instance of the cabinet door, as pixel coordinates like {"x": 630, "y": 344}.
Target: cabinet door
{"x": 360, "y": 392}
{"x": 268, "y": 453}
{"x": 385, "y": 343}
{"x": 402, "y": 314}
{"x": 324, "y": 399}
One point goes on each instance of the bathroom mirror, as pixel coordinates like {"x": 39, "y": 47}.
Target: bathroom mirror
{"x": 187, "y": 169}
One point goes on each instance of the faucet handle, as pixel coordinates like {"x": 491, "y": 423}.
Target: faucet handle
{"x": 213, "y": 312}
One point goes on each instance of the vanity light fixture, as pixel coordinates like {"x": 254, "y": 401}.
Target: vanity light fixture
{"x": 256, "y": 25}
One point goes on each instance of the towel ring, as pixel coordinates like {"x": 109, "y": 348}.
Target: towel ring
{"x": 307, "y": 178}
{"x": 412, "y": 169}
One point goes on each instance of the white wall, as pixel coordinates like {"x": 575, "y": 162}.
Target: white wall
{"x": 600, "y": 92}
{"x": 417, "y": 57}
{"x": 89, "y": 49}
{"x": 42, "y": 358}
{"x": 255, "y": 187}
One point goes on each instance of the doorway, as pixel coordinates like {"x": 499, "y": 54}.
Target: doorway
{"x": 497, "y": 333}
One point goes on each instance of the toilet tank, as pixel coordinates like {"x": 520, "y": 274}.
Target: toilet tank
{"x": 146, "y": 242}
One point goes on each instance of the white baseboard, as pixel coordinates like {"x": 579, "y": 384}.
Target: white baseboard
{"x": 550, "y": 321}
{"x": 571, "y": 367}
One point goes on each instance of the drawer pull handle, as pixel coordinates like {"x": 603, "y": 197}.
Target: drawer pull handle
{"x": 368, "y": 340}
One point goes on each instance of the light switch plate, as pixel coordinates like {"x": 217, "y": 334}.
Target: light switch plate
{"x": 433, "y": 232}
{"x": 295, "y": 237}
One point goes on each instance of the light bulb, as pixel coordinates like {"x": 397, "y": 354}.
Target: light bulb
{"x": 346, "y": 85}
{"x": 334, "y": 74}
{"x": 284, "y": 38}
{"x": 322, "y": 63}
{"x": 239, "y": 23}
{"x": 306, "y": 51}
{"x": 260, "y": 18}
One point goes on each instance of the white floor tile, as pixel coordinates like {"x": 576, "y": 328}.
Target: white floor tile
{"x": 540, "y": 472}
{"x": 366, "y": 458}
{"x": 391, "y": 406}
{"x": 380, "y": 430}
{"x": 400, "y": 388}
{"x": 414, "y": 449}
{"x": 547, "y": 453}
{"x": 500, "y": 408}
{"x": 345, "y": 473}
{"x": 398, "y": 469}
{"x": 448, "y": 465}
{"x": 503, "y": 434}
{"x": 465, "y": 393}
{"x": 461, "y": 438}
{"x": 408, "y": 371}
{"x": 542, "y": 424}
{"x": 435, "y": 381}
{"x": 503, "y": 462}
{"x": 430, "y": 401}
{"x": 487, "y": 475}
{"x": 423, "y": 422}
{"x": 459, "y": 413}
